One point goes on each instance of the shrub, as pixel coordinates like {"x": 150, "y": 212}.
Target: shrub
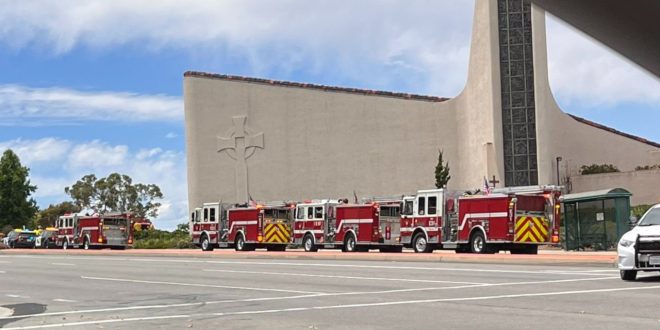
{"x": 596, "y": 169}
{"x": 160, "y": 239}
{"x": 639, "y": 210}
{"x": 647, "y": 167}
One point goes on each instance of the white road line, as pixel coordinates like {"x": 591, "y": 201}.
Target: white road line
{"x": 302, "y": 309}
{"x": 2, "y": 272}
{"x": 16, "y": 296}
{"x": 64, "y": 300}
{"x": 131, "y": 308}
{"x": 195, "y": 285}
{"x": 339, "y": 276}
{"x": 476, "y": 270}
{"x": 61, "y": 264}
{"x": 72, "y": 324}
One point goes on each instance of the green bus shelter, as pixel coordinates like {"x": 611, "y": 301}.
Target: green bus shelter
{"x": 595, "y": 219}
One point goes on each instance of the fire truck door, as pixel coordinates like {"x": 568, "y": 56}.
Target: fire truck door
{"x": 450, "y": 222}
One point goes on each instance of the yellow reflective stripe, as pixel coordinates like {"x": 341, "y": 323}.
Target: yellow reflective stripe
{"x": 541, "y": 225}
{"x": 520, "y": 221}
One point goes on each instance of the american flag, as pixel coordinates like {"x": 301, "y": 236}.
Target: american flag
{"x": 487, "y": 187}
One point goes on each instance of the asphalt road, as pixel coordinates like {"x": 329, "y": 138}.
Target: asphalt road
{"x": 124, "y": 292}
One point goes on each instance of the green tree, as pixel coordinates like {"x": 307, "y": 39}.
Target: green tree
{"x": 48, "y": 216}
{"x": 116, "y": 193}
{"x": 17, "y": 208}
{"x": 442, "y": 176}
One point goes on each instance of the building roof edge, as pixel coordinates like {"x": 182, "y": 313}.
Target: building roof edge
{"x": 282, "y": 83}
{"x": 615, "y": 131}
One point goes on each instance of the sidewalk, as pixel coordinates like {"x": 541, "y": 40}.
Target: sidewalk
{"x": 545, "y": 257}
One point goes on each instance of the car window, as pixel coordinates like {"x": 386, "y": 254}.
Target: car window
{"x": 651, "y": 218}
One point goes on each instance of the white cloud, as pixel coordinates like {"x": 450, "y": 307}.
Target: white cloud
{"x": 584, "y": 72}
{"x": 165, "y": 168}
{"x": 26, "y": 106}
{"x": 171, "y": 135}
{"x": 32, "y": 152}
{"x": 423, "y": 42}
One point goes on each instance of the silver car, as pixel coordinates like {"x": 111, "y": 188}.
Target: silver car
{"x": 639, "y": 249}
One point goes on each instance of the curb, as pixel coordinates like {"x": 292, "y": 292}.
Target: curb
{"x": 547, "y": 259}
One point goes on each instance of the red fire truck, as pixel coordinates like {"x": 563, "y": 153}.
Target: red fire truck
{"x": 113, "y": 230}
{"x": 243, "y": 228}
{"x": 353, "y": 228}
{"x": 515, "y": 219}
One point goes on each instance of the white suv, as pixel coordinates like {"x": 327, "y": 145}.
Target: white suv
{"x": 639, "y": 249}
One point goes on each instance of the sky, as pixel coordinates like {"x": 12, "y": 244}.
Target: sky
{"x": 95, "y": 86}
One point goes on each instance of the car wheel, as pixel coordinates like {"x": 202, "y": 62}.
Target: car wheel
{"x": 308, "y": 244}
{"x": 628, "y": 275}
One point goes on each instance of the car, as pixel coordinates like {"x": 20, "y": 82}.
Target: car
{"x": 24, "y": 239}
{"x": 47, "y": 239}
{"x": 639, "y": 249}
{"x": 10, "y": 239}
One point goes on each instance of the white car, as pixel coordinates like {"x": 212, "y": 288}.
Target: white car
{"x": 639, "y": 249}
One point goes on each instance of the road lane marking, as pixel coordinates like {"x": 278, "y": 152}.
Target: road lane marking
{"x": 64, "y": 300}
{"x": 72, "y": 324}
{"x": 16, "y": 296}
{"x": 339, "y": 276}
{"x": 345, "y": 306}
{"x": 213, "y": 302}
{"x": 61, "y": 264}
{"x": 195, "y": 285}
{"x": 2, "y": 272}
{"x": 476, "y": 270}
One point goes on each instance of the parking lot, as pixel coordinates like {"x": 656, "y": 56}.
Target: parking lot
{"x": 122, "y": 291}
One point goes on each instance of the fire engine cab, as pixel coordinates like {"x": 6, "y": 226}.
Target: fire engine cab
{"x": 515, "y": 219}
{"x": 113, "y": 230}
{"x": 351, "y": 227}
{"x": 244, "y": 228}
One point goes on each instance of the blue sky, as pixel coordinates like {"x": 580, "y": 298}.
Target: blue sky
{"x": 96, "y": 86}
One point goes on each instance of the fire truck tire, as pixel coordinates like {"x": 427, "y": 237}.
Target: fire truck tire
{"x": 308, "y": 244}
{"x": 240, "y": 244}
{"x": 478, "y": 243}
{"x": 65, "y": 245}
{"x": 206, "y": 244}
{"x": 628, "y": 275}
{"x": 350, "y": 244}
{"x": 86, "y": 244}
{"x": 420, "y": 244}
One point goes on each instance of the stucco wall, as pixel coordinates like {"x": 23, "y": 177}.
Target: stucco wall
{"x": 318, "y": 144}
{"x": 644, "y": 185}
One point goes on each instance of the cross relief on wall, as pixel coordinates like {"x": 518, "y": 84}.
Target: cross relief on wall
{"x": 240, "y": 144}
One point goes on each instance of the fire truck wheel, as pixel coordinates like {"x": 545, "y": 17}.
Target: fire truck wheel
{"x": 86, "y": 244}
{"x": 420, "y": 244}
{"x": 478, "y": 243}
{"x": 206, "y": 245}
{"x": 65, "y": 245}
{"x": 349, "y": 243}
{"x": 308, "y": 244}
